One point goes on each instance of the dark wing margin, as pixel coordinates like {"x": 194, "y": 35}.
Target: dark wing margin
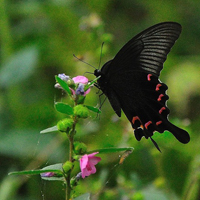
{"x": 148, "y": 50}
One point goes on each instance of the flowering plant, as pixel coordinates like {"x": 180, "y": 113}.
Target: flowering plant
{"x": 87, "y": 164}
{"x": 76, "y": 88}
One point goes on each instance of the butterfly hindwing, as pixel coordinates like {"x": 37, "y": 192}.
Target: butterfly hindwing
{"x": 143, "y": 99}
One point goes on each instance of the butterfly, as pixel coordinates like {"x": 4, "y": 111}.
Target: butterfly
{"x": 131, "y": 82}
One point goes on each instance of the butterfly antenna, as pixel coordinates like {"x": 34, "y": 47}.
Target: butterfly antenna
{"x": 155, "y": 144}
{"x": 83, "y": 61}
{"x": 101, "y": 54}
{"x": 88, "y": 73}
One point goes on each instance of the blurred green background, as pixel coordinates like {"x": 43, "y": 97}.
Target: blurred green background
{"x": 38, "y": 40}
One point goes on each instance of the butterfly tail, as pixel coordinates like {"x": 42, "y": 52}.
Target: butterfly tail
{"x": 180, "y": 134}
{"x": 155, "y": 144}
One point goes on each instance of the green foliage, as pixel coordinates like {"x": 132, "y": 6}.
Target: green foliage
{"x": 81, "y": 111}
{"x": 64, "y": 108}
{"x": 79, "y": 148}
{"x": 64, "y": 85}
{"x": 65, "y": 125}
{"x": 38, "y": 40}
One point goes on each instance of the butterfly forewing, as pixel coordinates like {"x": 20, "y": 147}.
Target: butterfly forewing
{"x": 147, "y": 50}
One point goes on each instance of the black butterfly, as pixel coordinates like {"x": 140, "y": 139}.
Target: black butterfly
{"x": 130, "y": 81}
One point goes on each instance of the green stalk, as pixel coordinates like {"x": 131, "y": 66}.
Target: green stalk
{"x": 71, "y": 146}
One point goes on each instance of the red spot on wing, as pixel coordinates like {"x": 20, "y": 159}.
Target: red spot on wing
{"x": 158, "y": 86}
{"x": 135, "y": 118}
{"x": 161, "y": 110}
{"x": 160, "y": 97}
{"x": 149, "y": 77}
{"x": 158, "y": 123}
{"x": 147, "y": 124}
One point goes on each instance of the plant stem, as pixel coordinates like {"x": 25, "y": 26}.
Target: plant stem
{"x": 71, "y": 146}
{"x": 68, "y": 188}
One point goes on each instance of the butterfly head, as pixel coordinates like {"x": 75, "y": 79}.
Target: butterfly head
{"x": 97, "y": 72}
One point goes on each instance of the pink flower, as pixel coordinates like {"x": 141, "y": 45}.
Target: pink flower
{"x": 87, "y": 164}
{"x": 78, "y": 88}
{"x": 81, "y": 81}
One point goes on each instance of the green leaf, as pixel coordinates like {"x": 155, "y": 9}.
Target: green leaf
{"x": 58, "y": 175}
{"x": 54, "y": 178}
{"x": 57, "y": 169}
{"x": 57, "y": 166}
{"x": 85, "y": 196}
{"x": 64, "y": 108}
{"x": 111, "y": 150}
{"x": 49, "y": 130}
{"x": 96, "y": 110}
{"x": 91, "y": 83}
{"x": 63, "y": 84}
{"x": 34, "y": 172}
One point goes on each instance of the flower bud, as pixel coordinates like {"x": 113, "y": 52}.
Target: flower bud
{"x": 73, "y": 182}
{"x": 76, "y": 157}
{"x": 81, "y": 111}
{"x": 67, "y": 166}
{"x": 71, "y": 83}
{"x": 79, "y": 148}
{"x": 65, "y": 124}
{"x": 63, "y": 77}
{"x": 47, "y": 174}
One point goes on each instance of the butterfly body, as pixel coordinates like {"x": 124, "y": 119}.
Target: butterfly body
{"x": 131, "y": 81}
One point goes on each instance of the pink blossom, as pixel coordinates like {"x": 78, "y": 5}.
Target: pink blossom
{"x": 87, "y": 164}
{"x": 81, "y": 80}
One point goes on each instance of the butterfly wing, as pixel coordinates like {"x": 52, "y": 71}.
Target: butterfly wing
{"x": 148, "y": 50}
{"x": 131, "y": 83}
{"x": 143, "y": 99}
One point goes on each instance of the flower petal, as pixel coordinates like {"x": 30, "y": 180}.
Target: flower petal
{"x": 80, "y": 79}
{"x": 63, "y": 77}
{"x": 80, "y": 89}
{"x": 92, "y": 154}
{"x": 85, "y": 173}
{"x": 87, "y": 91}
{"x": 83, "y": 161}
{"x": 93, "y": 170}
{"x": 94, "y": 160}
{"x": 87, "y": 164}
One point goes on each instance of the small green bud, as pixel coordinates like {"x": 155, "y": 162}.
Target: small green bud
{"x": 79, "y": 148}
{"x": 71, "y": 83}
{"x": 73, "y": 182}
{"x": 65, "y": 124}
{"x": 67, "y": 166}
{"x": 81, "y": 111}
{"x": 76, "y": 157}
